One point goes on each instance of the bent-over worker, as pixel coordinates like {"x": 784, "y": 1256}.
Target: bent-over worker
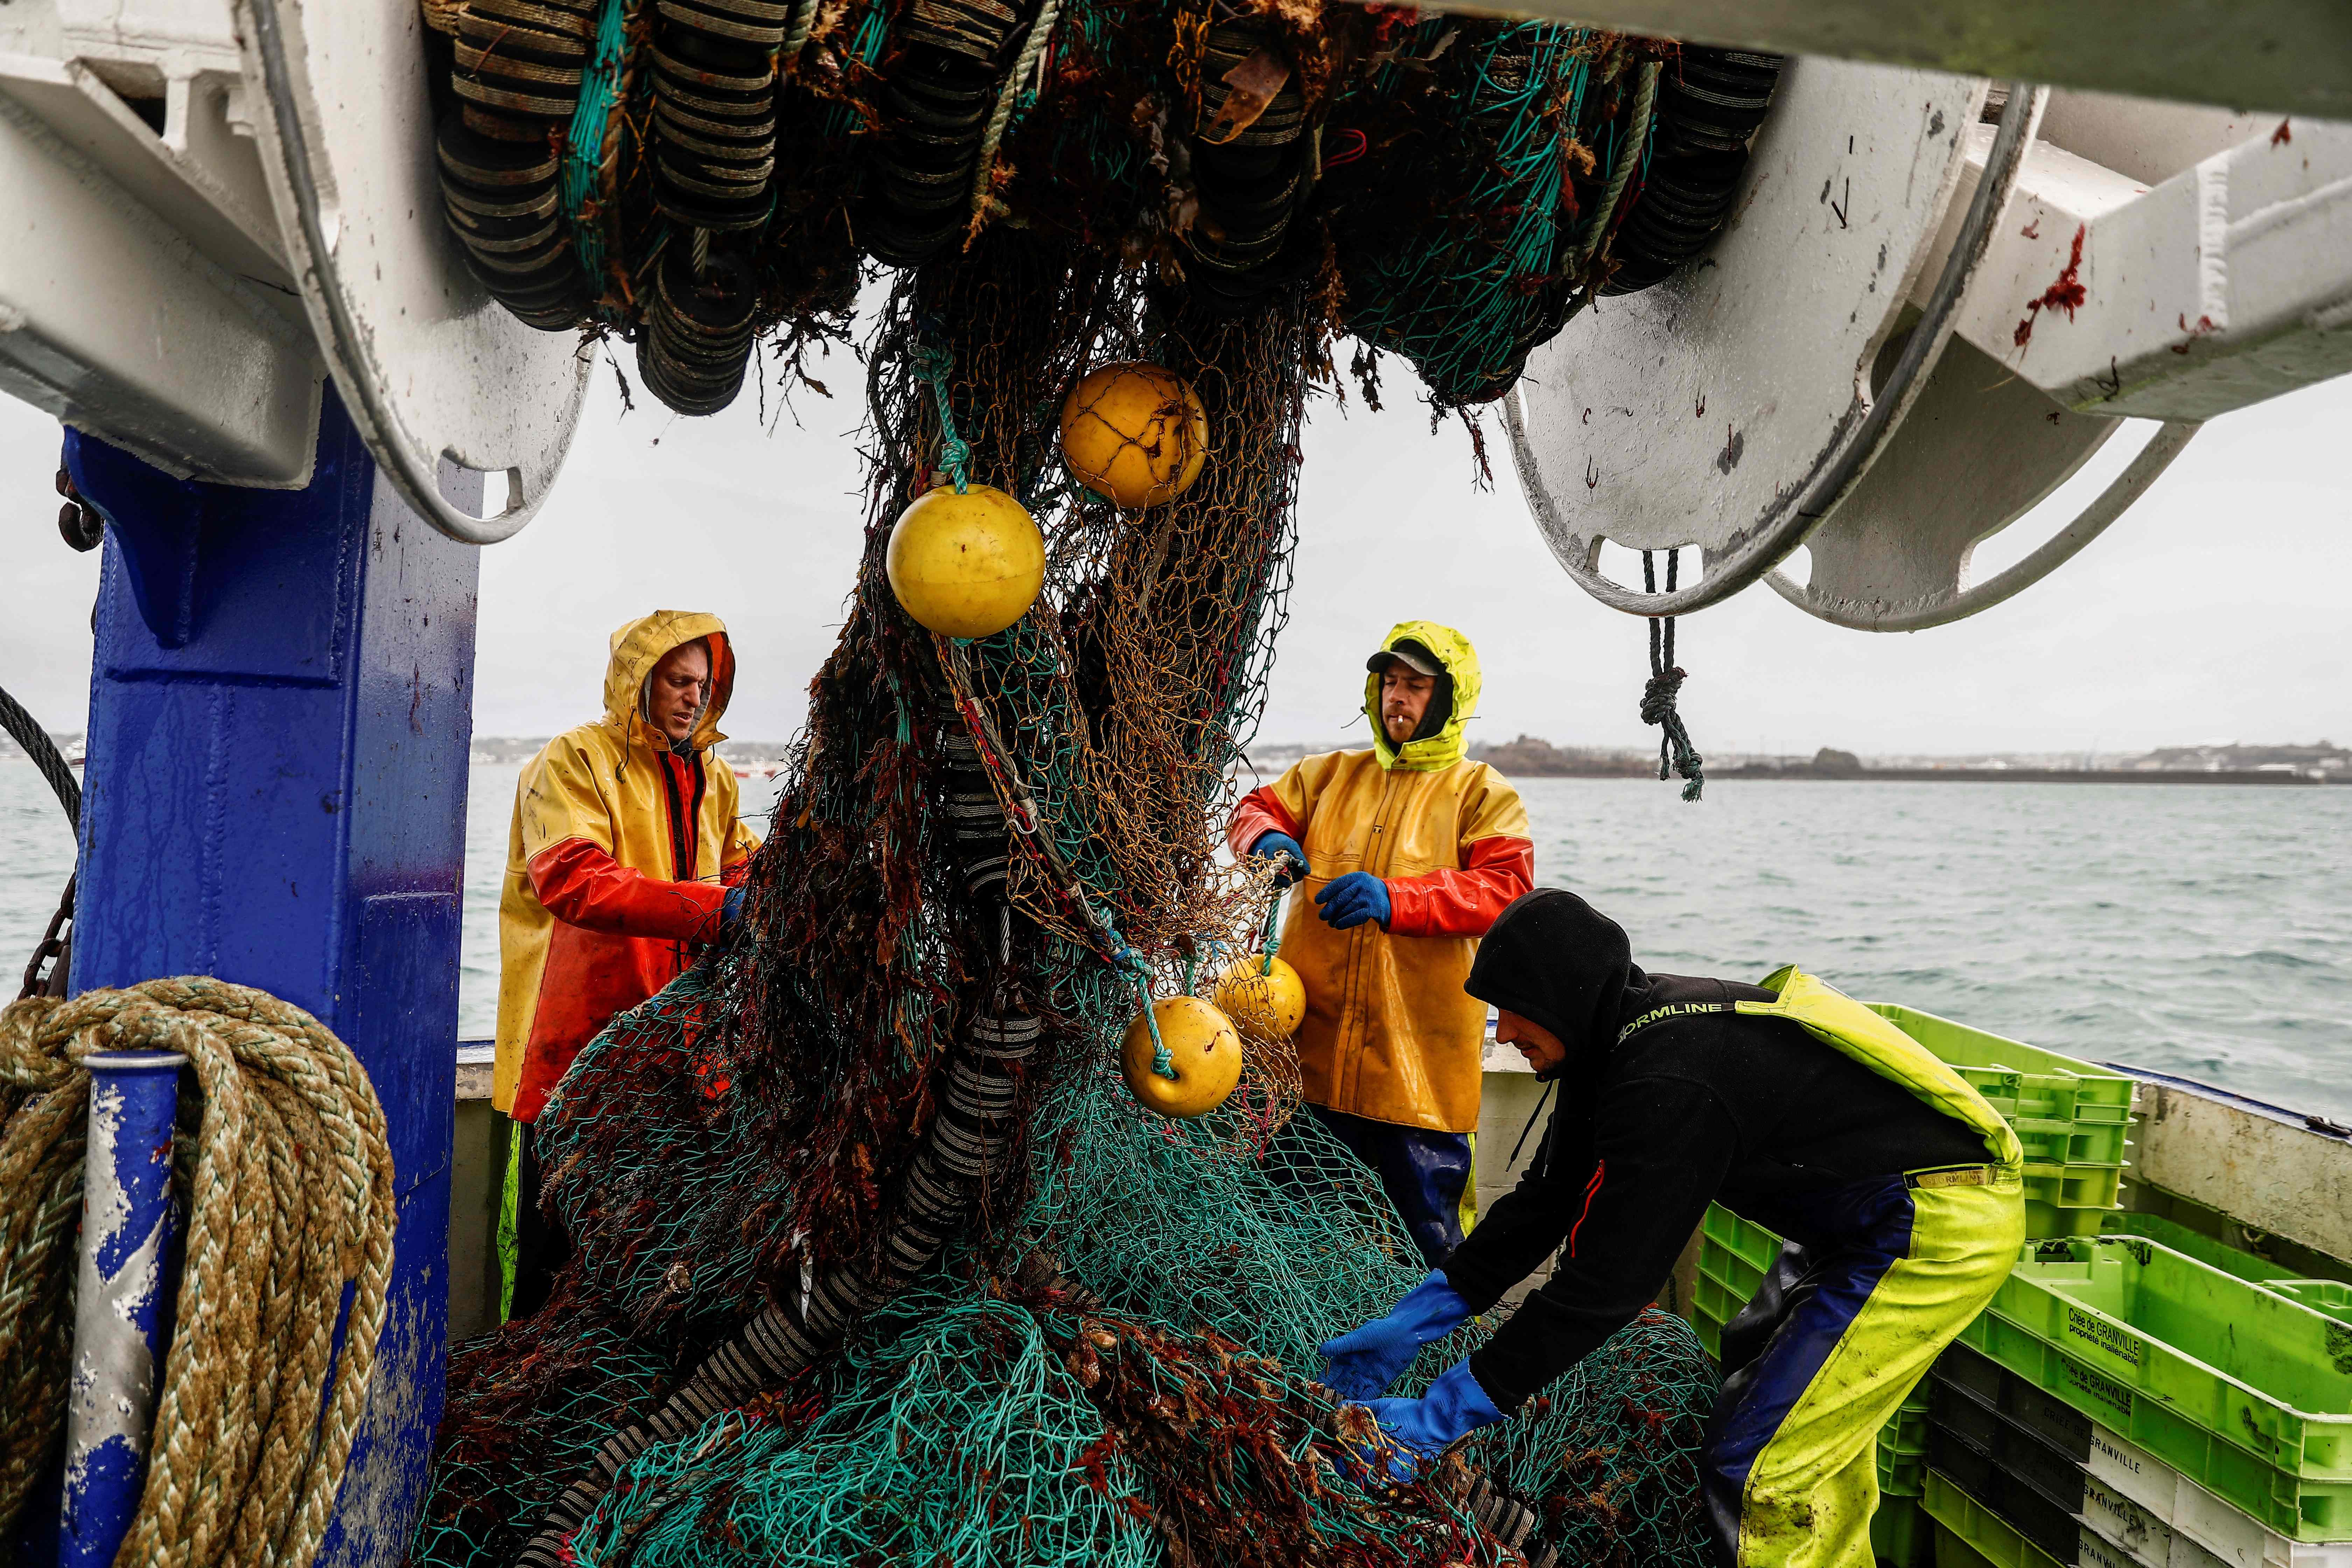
{"x": 1408, "y": 852}
{"x": 1899, "y": 1188}
{"x": 621, "y": 861}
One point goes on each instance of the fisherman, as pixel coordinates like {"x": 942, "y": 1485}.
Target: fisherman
{"x": 626, "y": 856}
{"x": 1899, "y": 1189}
{"x": 1409, "y": 851}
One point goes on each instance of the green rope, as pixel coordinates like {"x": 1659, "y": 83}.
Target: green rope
{"x": 1271, "y": 938}
{"x": 865, "y": 48}
{"x": 934, "y": 364}
{"x": 1163, "y": 1062}
{"x": 583, "y": 150}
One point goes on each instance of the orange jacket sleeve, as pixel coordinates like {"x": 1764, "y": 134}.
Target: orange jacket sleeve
{"x": 581, "y": 885}
{"x": 1285, "y": 805}
{"x": 1464, "y": 902}
{"x": 1497, "y": 856}
{"x": 1257, "y": 814}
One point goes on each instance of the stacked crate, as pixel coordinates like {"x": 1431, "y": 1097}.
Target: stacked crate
{"x": 2071, "y": 1120}
{"x": 2124, "y": 1405}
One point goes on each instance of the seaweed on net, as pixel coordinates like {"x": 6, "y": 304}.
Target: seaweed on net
{"x": 1110, "y": 1364}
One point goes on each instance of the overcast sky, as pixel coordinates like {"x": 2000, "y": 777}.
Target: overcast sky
{"x": 2217, "y": 609}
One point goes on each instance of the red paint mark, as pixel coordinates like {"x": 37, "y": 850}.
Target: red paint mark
{"x": 2066, "y": 294}
{"x": 2204, "y": 328}
{"x": 2032, "y": 230}
{"x": 2285, "y": 133}
{"x": 1600, "y": 1169}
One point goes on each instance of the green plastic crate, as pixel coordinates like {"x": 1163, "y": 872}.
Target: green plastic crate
{"x": 2050, "y": 1222}
{"x": 1709, "y": 1330}
{"x": 1951, "y": 1552}
{"x": 2246, "y": 1391}
{"x": 2210, "y": 1251}
{"x": 1901, "y": 1534}
{"x": 1905, "y": 1431}
{"x": 1986, "y": 1536}
{"x": 2024, "y": 1083}
{"x": 1899, "y": 1475}
{"x": 2328, "y": 1296}
{"x": 2051, "y": 1142}
{"x": 1725, "y": 1232}
{"x": 2075, "y": 1186}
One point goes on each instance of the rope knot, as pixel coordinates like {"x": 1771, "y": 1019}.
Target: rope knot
{"x": 1658, "y": 694}
{"x": 1665, "y": 684}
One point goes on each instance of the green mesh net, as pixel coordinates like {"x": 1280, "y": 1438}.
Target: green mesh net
{"x": 1108, "y": 1361}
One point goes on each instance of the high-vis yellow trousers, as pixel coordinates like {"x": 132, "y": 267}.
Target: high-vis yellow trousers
{"x": 1834, "y": 1341}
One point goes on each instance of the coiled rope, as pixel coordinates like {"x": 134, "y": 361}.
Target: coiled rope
{"x": 290, "y": 1198}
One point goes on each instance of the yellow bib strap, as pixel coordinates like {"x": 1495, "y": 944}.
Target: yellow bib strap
{"x": 1828, "y": 1014}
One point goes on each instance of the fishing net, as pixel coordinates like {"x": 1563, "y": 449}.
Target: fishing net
{"x": 697, "y": 178}
{"x": 876, "y": 1258}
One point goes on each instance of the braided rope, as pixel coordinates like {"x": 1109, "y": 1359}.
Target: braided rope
{"x": 291, "y": 1198}
{"x": 803, "y": 17}
{"x": 1665, "y": 683}
{"x": 587, "y": 148}
{"x": 1270, "y": 938}
{"x": 1631, "y": 149}
{"x": 935, "y": 364}
{"x": 1041, "y": 29}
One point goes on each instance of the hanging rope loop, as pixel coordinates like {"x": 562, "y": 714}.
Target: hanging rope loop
{"x": 1675, "y": 753}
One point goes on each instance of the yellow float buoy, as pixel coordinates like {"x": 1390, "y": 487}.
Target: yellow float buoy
{"x": 1264, "y": 1002}
{"x": 1206, "y": 1052}
{"x": 966, "y": 565}
{"x": 1134, "y": 434}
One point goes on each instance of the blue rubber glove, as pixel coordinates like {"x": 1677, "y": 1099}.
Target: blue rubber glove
{"x": 731, "y": 910}
{"x": 1352, "y": 900}
{"x": 1361, "y": 1364}
{"x": 1419, "y": 1430}
{"x": 1283, "y": 846}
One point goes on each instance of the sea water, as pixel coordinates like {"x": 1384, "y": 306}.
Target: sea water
{"x": 2199, "y": 930}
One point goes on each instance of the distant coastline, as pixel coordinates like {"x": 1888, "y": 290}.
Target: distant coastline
{"x": 2026, "y": 775}
{"x": 2230, "y": 763}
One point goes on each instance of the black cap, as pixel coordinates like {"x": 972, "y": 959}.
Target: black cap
{"x": 1410, "y": 654}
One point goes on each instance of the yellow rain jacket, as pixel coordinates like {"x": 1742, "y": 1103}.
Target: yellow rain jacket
{"x": 616, "y": 865}
{"x": 1389, "y": 1034}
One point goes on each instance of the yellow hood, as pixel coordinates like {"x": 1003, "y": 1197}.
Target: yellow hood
{"x": 639, "y": 645}
{"x": 1447, "y": 747}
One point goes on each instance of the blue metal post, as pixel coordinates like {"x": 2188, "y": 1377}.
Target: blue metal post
{"x": 122, "y": 1304}
{"x": 280, "y": 715}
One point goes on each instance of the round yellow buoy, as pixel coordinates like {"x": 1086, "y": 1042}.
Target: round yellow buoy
{"x": 1265, "y": 1003}
{"x": 1206, "y": 1052}
{"x": 966, "y": 565}
{"x": 1135, "y": 434}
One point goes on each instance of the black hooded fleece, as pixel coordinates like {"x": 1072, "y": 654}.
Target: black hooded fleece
{"x": 1748, "y": 1112}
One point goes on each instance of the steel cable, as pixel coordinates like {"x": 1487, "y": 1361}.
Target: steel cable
{"x": 27, "y": 732}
